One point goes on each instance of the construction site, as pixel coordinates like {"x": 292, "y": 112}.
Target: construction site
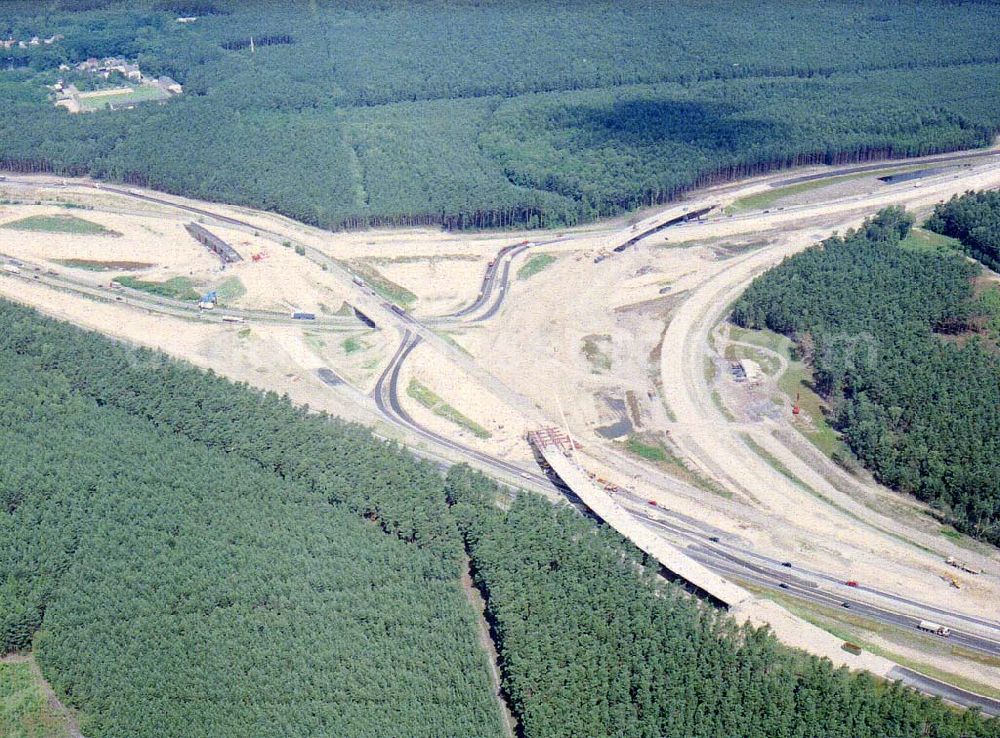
{"x": 593, "y": 365}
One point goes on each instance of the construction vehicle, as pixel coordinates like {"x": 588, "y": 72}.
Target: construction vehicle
{"x": 208, "y": 301}
{"x": 795, "y": 408}
{"x": 851, "y": 648}
{"x": 935, "y": 628}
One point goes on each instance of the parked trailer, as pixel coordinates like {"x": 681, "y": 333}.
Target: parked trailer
{"x": 303, "y": 316}
{"x": 851, "y": 648}
{"x": 968, "y": 568}
{"x": 935, "y": 628}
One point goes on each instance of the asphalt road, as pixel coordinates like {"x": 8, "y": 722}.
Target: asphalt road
{"x": 800, "y": 583}
{"x": 734, "y": 562}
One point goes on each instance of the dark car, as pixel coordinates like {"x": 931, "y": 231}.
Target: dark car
{"x": 787, "y": 563}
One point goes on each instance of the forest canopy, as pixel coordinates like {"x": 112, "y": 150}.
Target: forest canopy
{"x": 974, "y": 219}
{"x": 495, "y": 114}
{"x": 888, "y": 332}
{"x": 194, "y": 558}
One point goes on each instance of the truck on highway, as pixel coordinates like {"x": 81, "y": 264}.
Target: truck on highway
{"x": 935, "y": 628}
{"x": 10, "y": 268}
{"x": 298, "y": 315}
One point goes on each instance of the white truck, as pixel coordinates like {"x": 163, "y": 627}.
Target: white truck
{"x": 935, "y": 628}
{"x": 10, "y": 268}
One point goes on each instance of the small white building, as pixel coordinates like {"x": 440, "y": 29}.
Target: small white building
{"x": 751, "y": 369}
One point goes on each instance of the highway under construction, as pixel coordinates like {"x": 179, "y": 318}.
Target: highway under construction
{"x": 702, "y": 538}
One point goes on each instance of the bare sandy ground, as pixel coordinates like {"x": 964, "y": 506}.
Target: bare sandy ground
{"x": 270, "y": 357}
{"x": 576, "y": 338}
{"x": 161, "y": 242}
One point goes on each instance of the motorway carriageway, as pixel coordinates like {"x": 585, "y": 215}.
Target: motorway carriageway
{"x": 386, "y": 398}
{"x": 740, "y": 563}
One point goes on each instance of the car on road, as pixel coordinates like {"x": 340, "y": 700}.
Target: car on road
{"x": 851, "y": 583}
{"x": 783, "y": 585}
{"x": 525, "y": 475}
{"x": 787, "y": 563}
{"x": 846, "y": 604}
{"x": 713, "y": 539}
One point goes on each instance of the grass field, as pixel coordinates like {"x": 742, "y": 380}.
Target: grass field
{"x": 923, "y": 240}
{"x": 104, "y": 266}
{"x": 442, "y": 409}
{"x": 178, "y": 288}
{"x": 229, "y": 290}
{"x": 990, "y": 301}
{"x": 24, "y": 708}
{"x": 141, "y": 94}
{"x": 534, "y": 265}
{"x": 60, "y": 224}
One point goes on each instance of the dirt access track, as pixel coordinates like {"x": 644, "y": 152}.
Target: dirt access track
{"x": 593, "y": 339}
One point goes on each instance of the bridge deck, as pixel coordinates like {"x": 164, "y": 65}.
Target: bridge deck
{"x": 743, "y": 605}
{"x": 669, "y": 556}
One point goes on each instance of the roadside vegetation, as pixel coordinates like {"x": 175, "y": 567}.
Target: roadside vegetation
{"x": 647, "y": 446}
{"x": 769, "y": 197}
{"x": 893, "y": 339}
{"x": 92, "y": 265}
{"x": 534, "y": 265}
{"x": 60, "y": 224}
{"x": 433, "y": 402}
{"x": 176, "y": 288}
{"x": 386, "y": 288}
{"x": 465, "y": 115}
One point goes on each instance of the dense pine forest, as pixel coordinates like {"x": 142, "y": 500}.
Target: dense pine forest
{"x": 974, "y": 219}
{"x": 592, "y": 647}
{"x": 495, "y": 113}
{"x": 889, "y": 334}
{"x": 191, "y": 557}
